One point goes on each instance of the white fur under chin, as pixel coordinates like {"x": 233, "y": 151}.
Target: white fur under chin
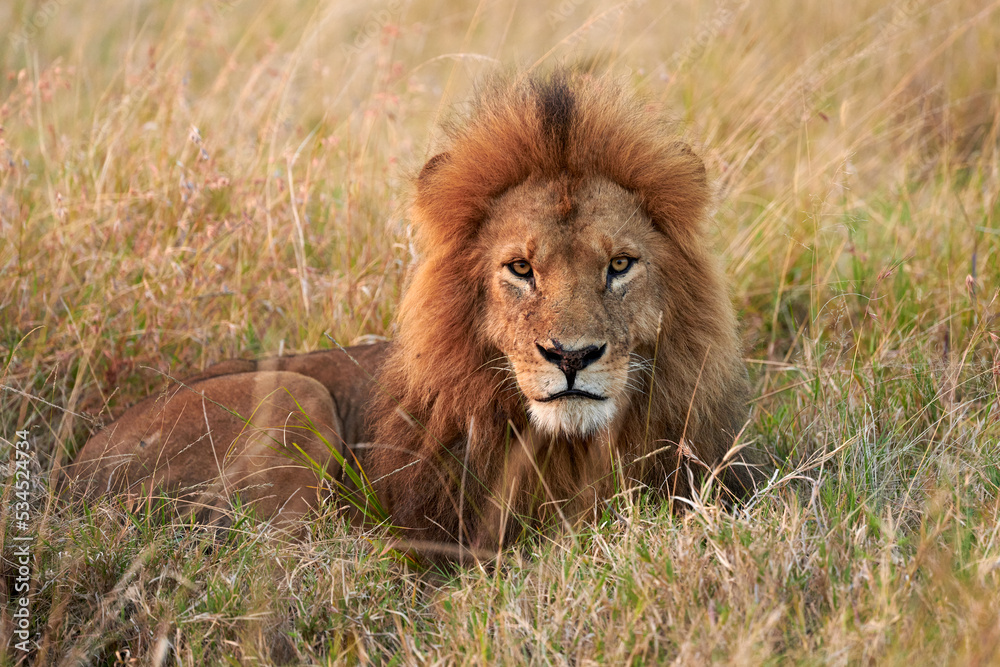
{"x": 574, "y": 417}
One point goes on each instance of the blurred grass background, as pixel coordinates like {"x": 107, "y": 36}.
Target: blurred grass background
{"x": 182, "y": 182}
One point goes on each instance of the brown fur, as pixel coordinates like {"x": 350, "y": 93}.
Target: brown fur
{"x": 230, "y": 430}
{"x": 458, "y": 459}
{"x": 347, "y": 375}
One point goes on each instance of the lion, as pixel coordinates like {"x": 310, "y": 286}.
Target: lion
{"x": 566, "y": 333}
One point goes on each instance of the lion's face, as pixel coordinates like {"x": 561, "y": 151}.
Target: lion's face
{"x": 573, "y": 299}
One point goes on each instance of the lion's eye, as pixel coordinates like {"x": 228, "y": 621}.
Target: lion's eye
{"x": 620, "y": 265}
{"x": 520, "y": 268}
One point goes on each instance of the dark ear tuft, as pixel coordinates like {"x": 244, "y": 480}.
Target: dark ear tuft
{"x": 431, "y": 165}
{"x": 686, "y": 150}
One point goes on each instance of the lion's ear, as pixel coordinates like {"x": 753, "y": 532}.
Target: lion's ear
{"x": 685, "y": 149}
{"x": 430, "y": 167}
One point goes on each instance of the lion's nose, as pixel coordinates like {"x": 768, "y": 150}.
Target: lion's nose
{"x": 571, "y": 361}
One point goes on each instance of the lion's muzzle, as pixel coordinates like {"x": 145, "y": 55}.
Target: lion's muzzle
{"x": 571, "y": 390}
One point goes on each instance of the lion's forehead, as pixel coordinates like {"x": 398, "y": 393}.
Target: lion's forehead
{"x": 562, "y": 220}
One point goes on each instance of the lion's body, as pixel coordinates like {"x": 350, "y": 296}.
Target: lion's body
{"x": 238, "y": 427}
{"x": 566, "y": 329}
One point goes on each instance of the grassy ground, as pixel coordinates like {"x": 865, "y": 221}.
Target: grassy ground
{"x": 186, "y": 182}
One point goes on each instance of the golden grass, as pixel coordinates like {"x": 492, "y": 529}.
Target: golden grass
{"x": 185, "y": 182}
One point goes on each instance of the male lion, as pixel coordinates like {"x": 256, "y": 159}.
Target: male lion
{"x": 566, "y": 330}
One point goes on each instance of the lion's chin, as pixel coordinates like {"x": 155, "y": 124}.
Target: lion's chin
{"x": 571, "y": 416}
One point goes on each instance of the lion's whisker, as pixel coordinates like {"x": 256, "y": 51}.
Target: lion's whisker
{"x": 500, "y": 358}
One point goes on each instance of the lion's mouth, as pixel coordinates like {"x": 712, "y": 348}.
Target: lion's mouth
{"x": 572, "y": 393}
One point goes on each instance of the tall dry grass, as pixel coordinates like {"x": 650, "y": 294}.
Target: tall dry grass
{"x": 185, "y": 182}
